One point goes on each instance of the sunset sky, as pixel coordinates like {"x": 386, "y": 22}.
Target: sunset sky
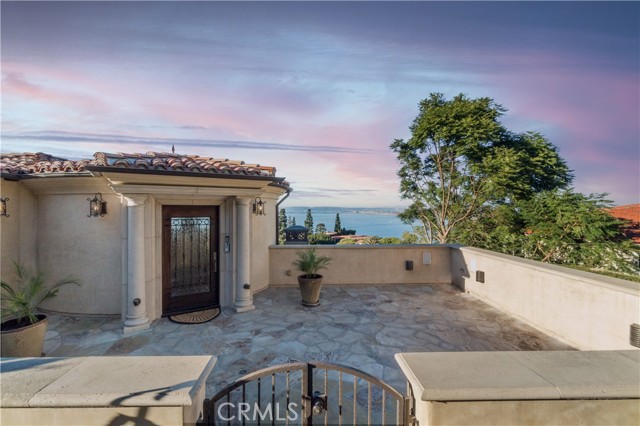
{"x": 320, "y": 90}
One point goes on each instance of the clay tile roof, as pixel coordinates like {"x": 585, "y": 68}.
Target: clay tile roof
{"x": 631, "y": 214}
{"x": 25, "y": 164}
{"x": 38, "y": 163}
{"x": 180, "y": 162}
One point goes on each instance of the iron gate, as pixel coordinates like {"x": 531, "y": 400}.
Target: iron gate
{"x": 307, "y": 393}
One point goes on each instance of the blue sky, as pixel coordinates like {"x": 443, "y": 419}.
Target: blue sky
{"x": 320, "y": 90}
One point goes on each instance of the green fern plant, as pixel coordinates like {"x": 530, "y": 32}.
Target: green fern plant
{"x": 310, "y": 263}
{"x": 21, "y": 300}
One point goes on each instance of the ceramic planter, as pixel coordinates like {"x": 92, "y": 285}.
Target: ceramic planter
{"x": 26, "y": 341}
{"x": 310, "y": 289}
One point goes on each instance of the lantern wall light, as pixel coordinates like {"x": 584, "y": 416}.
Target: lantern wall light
{"x": 3, "y": 207}
{"x": 258, "y": 207}
{"x": 97, "y": 207}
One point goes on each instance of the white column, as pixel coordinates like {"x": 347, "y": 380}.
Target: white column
{"x": 137, "y": 319}
{"x": 244, "y": 297}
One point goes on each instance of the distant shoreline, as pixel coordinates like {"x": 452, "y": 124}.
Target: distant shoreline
{"x": 371, "y": 221}
{"x": 365, "y": 210}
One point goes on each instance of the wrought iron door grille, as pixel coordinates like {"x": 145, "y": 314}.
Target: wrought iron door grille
{"x": 190, "y": 255}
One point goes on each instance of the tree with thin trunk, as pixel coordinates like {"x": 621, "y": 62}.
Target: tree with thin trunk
{"x": 461, "y": 159}
{"x": 338, "y": 226}
{"x": 282, "y": 225}
{"x": 308, "y": 222}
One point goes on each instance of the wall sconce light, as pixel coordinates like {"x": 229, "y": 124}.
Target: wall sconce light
{"x": 258, "y": 207}
{"x": 97, "y": 207}
{"x": 227, "y": 244}
{"x": 3, "y": 207}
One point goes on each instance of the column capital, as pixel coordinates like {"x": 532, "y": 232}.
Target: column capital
{"x": 135, "y": 199}
{"x": 244, "y": 201}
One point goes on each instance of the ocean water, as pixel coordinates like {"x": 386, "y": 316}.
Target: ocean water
{"x": 381, "y": 222}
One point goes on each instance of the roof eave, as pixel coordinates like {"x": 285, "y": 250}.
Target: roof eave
{"x": 22, "y": 176}
{"x": 282, "y": 185}
{"x": 103, "y": 169}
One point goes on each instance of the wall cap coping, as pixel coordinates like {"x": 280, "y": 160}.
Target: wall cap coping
{"x": 104, "y": 381}
{"x": 359, "y": 246}
{"x": 590, "y": 277}
{"x": 522, "y": 375}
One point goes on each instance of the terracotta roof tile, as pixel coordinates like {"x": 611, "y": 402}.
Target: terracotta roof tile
{"x": 630, "y": 213}
{"x": 39, "y": 163}
{"x": 44, "y": 164}
{"x": 180, "y": 162}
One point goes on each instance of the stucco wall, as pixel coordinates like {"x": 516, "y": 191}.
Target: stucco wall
{"x": 104, "y": 390}
{"x": 18, "y": 230}
{"x": 565, "y": 412}
{"x": 366, "y": 264}
{"x": 86, "y": 248}
{"x": 263, "y": 235}
{"x": 588, "y": 311}
{"x": 524, "y": 387}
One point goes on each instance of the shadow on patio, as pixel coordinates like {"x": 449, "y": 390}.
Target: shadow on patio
{"x": 358, "y": 326}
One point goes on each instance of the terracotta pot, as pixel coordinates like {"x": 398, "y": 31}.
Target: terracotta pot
{"x": 310, "y": 289}
{"x": 26, "y": 341}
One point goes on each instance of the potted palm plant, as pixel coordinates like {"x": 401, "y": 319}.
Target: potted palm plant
{"x": 310, "y": 282}
{"x": 22, "y": 329}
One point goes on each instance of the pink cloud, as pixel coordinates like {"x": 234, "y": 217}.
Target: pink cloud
{"x": 588, "y": 104}
{"x": 18, "y": 85}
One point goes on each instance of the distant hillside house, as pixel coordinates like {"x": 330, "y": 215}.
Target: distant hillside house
{"x": 147, "y": 235}
{"x": 631, "y": 213}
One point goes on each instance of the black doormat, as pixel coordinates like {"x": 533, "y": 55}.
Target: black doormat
{"x": 197, "y": 317}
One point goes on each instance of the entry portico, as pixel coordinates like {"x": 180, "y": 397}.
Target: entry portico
{"x": 138, "y": 188}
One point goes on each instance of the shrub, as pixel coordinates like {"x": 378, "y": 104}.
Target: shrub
{"x": 372, "y": 240}
{"x": 320, "y": 239}
{"x": 409, "y": 238}
{"x": 346, "y": 241}
{"x": 390, "y": 240}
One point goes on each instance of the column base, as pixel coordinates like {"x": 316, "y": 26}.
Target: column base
{"x": 130, "y": 329}
{"x": 240, "y": 309}
{"x": 133, "y": 321}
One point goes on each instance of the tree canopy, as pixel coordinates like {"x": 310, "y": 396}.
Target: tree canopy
{"x": 308, "y": 221}
{"x": 282, "y": 225}
{"x": 575, "y": 229}
{"x": 337, "y": 227}
{"x": 472, "y": 181}
{"x": 460, "y": 158}
{"x": 562, "y": 227}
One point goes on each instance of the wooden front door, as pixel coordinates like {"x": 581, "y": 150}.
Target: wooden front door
{"x": 189, "y": 258}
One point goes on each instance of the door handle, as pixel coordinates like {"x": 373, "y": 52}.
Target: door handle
{"x": 215, "y": 261}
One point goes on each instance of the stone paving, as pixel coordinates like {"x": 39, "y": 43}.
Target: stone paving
{"x": 361, "y": 327}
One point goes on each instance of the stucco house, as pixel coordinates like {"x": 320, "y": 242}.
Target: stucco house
{"x": 148, "y": 235}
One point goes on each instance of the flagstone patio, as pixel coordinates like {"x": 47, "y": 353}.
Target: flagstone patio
{"x": 362, "y": 327}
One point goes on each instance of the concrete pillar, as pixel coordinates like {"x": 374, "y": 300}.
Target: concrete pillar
{"x": 244, "y": 297}
{"x": 137, "y": 318}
